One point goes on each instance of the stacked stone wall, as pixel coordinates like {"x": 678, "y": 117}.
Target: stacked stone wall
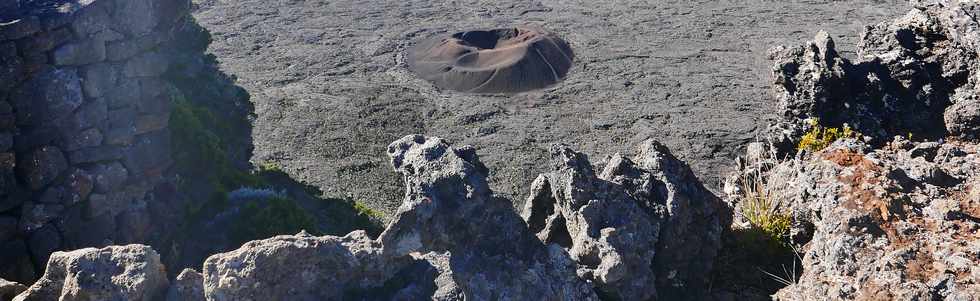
{"x": 84, "y": 110}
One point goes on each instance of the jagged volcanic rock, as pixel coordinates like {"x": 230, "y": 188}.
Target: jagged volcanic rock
{"x": 448, "y": 206}
{"x": 916, "y": 75}
{"x": 643, "y": 228}
{"x": 897, "y": 223}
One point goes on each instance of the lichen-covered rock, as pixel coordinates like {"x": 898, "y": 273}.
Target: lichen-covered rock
{"x": 299, "y": 267}
{"x": 131, "y": 272}
{"x": 643, "y": 228}
{"x": 894, "y": 223}
{"x": 448, "y": 206}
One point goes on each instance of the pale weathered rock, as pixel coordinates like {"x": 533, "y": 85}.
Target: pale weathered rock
{"x": 131, "y": 272}
{"x": 299, "y": 267}
{"x": 448, "y": 206}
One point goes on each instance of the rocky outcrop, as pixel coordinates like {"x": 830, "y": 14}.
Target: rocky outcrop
{"x": 897, "y": 223}
{"x": 300, "y": 267}
{"x": 131, "y": 272}
{"x": 893, "y": 214}
{"x": 83, "y": 124}
{"x": 448, "y": 206}
{"x": 643, "y": 228}
{"x": 915, "y": 76}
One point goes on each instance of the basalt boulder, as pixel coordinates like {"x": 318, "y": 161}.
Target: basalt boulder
{"x": 642, "y": 229}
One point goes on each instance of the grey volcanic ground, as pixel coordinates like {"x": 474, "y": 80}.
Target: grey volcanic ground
{"x": 331, "y": 88}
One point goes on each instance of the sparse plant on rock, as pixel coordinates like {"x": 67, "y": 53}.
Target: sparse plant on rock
{"x": 819, "y": 137}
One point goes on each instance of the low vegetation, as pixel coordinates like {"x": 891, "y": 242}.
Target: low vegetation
{"x": 759, "y": 258}
{"x": 202, "y": 142}
{"x": 819, "y": 137}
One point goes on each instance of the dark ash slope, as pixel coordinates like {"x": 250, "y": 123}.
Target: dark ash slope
{"x": 331, "y": 89}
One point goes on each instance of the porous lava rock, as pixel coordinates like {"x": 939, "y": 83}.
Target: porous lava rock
{"x": 507, "y": 60}
{"x": 131, "y": 272}
{"x": 448, "y": 206}
{"x": 901, "y": 222}
{"x": 915, "y": 75}
{"x": 644, "y": 228}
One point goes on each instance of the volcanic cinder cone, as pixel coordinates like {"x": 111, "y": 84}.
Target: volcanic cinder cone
{"x": 509, "y": 60}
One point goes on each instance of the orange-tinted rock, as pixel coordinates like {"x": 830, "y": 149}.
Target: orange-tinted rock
{"x": 509, "y": 60}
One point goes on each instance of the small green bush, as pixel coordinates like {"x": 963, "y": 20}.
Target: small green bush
{"x": 819, "y": 137}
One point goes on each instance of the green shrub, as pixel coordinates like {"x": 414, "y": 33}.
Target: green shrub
{"x": 277, "y": 216}
{"x": 819, "y": 137}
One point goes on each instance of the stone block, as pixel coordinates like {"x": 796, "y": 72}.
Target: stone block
{"x": 96, "y": 154}
{"x": 146, "y": 65}
{"x": 150, "y": 123}
{"x": 91, "y": 21}
{"x": 124, "y": 94}
{"x": 93, "y": 113}
{"x": 148, "y": 155}
{"x": 108, "y": 204}
{"x": 136, "y": 17}
{"x": 51, "y": 95}
{"x": 109, "y": 177}
{"x": 121, "y": 136}
{"x": 42, "y": 166}
{"x": 79, "y": 53}
{"x": 124, "y": 49}
{"x": 98, "y": 79}
{"x": 121, "y": 118}
{"x": 87, "y": 138}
